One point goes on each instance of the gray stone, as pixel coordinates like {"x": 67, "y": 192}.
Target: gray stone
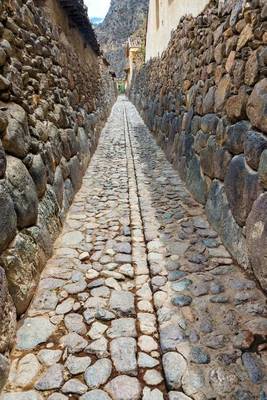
{"x": 256, "y": 239}
{"x": 23, "y": 192}
{"x": 74, "y": 386}
{"x": 98, "y": 374}
{"x": 170, "y": 336}
{"x": 178, "y": 396}
{"x": 8, "y": 219}
{"x": 124, "y": 388}
{"x": 235, "y": 137}
{"x": 199, "y": 356}
{"x": 98, "y": 347}
{"x": 30, "y": 395}
{"x": 146, "y": 361}
{"x": 182, "y": 300}
{"x": 122, "y": 327}
{"x": 45, "y": 300}
{"x": 174, "y": 366}
{"x": 150, "y": 394}
{"x": 16, "y": 140}
{"x": 27, "y": 371}
{"x": 30, "y": 335}
{"x": 254, "y": 144}
{"x": 4, "y": 370}
{"x": 123, "y": 354}
{"x": 74, "y": 342}
{"x": 195, "y": 181}
{"x": 52, "y": 378}
{"x": 153, "y": 377}
{"x": 122, "y": 302}
{"x": 77, "y": 365}
{"x": 221, "y": 218}
{"x": 8, "y": 320}
{"x": 74, "y": 323}
{"x": 96, "y": 395}
{"x": 49, "y": 357}
{"x": 38, "y": 174}
{"x": 57, "y": 396}
{"x": 254, "y": 367}
{"x": 256, "y": 106}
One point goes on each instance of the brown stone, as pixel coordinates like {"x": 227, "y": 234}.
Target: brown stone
{"x": 222, "y": 92}
{"x": 257, "y": 106}
{"x": 251, "y": 69}
{"x": 245, "y": 36}
{"x": 230, "y": 63}
{"x": 256, "y": 238}
{"x": 4, "y": 83}
{"x": 7, "y": 315}
{"x": 236, "y": 105}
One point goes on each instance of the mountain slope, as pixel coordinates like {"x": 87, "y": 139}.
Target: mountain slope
{"x": 123, "y": 19}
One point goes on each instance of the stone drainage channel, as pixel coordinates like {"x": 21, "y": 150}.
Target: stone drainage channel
{"x": 140, "y": 299}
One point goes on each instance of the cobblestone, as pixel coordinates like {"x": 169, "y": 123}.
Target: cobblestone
{"x": 140, "y": 299}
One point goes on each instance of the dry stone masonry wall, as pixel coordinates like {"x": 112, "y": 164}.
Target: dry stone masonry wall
{"x": 205, "y": 100}
{"x": 55, "y": 95}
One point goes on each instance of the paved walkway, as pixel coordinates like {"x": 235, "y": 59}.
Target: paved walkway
{"x": 140, "y": 300}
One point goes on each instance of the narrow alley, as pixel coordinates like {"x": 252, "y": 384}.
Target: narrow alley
{"x": 140, "y": 299}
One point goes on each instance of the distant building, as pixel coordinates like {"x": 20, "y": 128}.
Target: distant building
{"x": 163, "y": 17}
{"x": 135, "y": 59}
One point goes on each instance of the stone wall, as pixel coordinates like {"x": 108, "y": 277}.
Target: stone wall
{"x": 55, "y": 96}
{"x": 205, "y": 100}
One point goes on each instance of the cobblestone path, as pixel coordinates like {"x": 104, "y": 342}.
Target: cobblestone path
{"x": 140, "y": 300}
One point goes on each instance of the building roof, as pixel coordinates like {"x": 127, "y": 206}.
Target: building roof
{"x": 78, "y": 14}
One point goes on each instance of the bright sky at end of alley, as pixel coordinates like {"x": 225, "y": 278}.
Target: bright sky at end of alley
{"x": 97, "y": 8}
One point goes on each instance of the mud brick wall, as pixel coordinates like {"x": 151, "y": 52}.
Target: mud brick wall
{"x": 55, "y": 96}
{"x": 205, "y": 100}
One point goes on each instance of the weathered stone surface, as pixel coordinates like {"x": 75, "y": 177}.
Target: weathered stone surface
{"x": 235, "y": 137}
{"x": 16, "y": 140}
{"x": 8, "y": 220}
{"x": 256, "y": 107}
{"x": 124, "y": 388}
{"x": 123, "y": 354}
{"x": 98, "y": 374}
{"x": 96, "y": 395}
{"x": 30, "y": 335}
{"x": 263, "y": 169}
{"x": 38, "y": 174}
{"x": 30, "y": 395}
{"x": 23, "y": 192}
{"x": 241, "y": 187}
{"x": 4, "y": 370}
{"x": 256, "y": 238}
{"x": 221, "y": 218}
{"x": 52, "y": 379}
{"x": 122, "y": 302}
{"x": 254, "y": 145}
{"x": 27, "y": 371}
{"x": 7, "y": 315}
{"x": 174, "y": 368}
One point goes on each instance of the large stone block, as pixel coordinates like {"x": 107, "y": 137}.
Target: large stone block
{"x": 241, "y": 187}
{"x": 16, "y": 140}
{"x": 4, "y": 367}
{"x": 8, "y": 218}
{"x": 76, "y": 173}
{"x": 256, "y": 237}
{"x": 2, "y": 161}
{"x": 257, "y": 106}
{"x": 195, "y": 180}
{"x": 20, "y": 262}
{"x": 39, "y": 175}
{"x": 220, "y": 216}
{"x": 49, "y": 213}
{"x": 254, "y": 145}
{"x": 235, "y": 137}
{"x": 22, "y": 190}
{"x": 7, "y": 315}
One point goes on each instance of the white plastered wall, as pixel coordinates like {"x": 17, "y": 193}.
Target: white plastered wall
{"x": 170, "y": 13}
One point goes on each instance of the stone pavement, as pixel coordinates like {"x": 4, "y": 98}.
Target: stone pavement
{"x": 140, "y": 300}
